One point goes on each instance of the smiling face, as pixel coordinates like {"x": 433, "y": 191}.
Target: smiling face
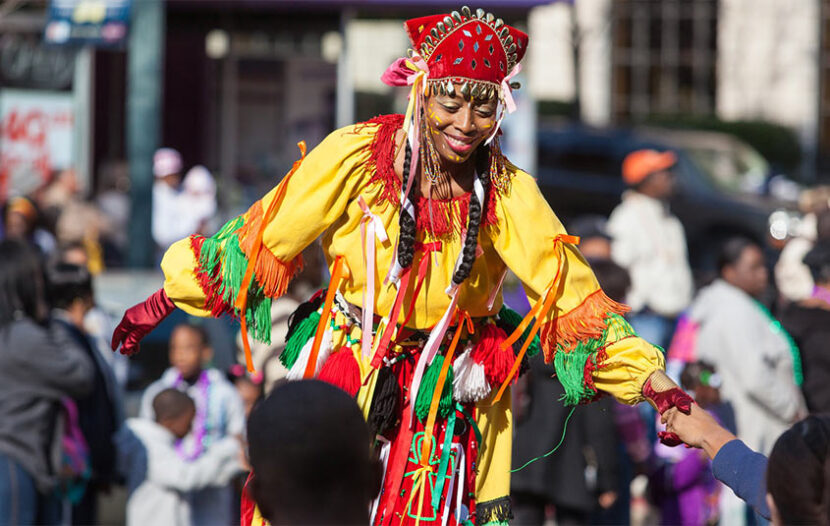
{"x": 459, "y": 125}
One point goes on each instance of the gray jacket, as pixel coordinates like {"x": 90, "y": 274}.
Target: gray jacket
{"x": 38, "y": 366}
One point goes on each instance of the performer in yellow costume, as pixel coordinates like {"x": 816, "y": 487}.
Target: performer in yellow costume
{"x": 421, "y": 216}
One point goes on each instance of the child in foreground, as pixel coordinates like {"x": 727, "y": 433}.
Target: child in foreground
{"x": 158, "y": 479}
{"x": 310, "y": 450}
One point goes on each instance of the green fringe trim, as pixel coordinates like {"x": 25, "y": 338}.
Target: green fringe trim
{"x": 514, "y": 319}
{"x": 573, "y": 368}
{"x": 304, "y": 332}
{"x": 496, "y": 511}
{"x": 428, "y": 384}
{"x": 222, "y": 250}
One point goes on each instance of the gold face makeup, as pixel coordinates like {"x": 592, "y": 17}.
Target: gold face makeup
{"x": 458, "y": 124}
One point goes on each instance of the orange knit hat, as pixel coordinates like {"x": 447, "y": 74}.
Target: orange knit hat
{"x": 640, "y": 164}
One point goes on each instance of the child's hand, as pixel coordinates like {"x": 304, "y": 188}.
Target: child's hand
{"x": 697, "y": 429}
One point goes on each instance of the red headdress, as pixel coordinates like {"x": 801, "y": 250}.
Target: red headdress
{"x": 477, "y": 51}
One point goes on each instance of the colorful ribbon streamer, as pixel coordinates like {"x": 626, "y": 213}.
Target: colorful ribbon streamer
{"x": 539, "y": 311}
{"x": 242, "y": 297}
{"x": 337, "y": 274}
{"x": 371, "y": 227}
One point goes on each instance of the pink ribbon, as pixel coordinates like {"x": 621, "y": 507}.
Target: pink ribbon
{"x": 436, "y": 336}
{"x": 507, "y": 91}
{"x": 371, "y": 226}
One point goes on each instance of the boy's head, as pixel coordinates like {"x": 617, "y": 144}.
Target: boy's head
{"x": 310, "y": 452}
{"x": 189, "y": 350}
{"x": 700, "y": 379}
{"x": 175, "y": 411}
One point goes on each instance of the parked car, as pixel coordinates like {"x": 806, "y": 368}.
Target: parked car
{"x": 723, "y": 185}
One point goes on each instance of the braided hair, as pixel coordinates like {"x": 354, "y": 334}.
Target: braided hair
{"x": 406, "y": 242}
{"x": 476, "y": 212}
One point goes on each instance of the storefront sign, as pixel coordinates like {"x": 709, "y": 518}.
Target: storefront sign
{"x": 35, "y": 138}
{"x": 93, "y": 22}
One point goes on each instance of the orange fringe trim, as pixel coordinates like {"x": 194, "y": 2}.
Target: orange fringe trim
{"x": 585, "y": 322}
{"x": 272, "y": 274}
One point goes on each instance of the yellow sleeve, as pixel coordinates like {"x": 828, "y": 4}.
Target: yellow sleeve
{"x": 203, "y": 275}
{"x": 592, "y": 347}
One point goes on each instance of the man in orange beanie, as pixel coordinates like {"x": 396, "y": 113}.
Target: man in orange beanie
{"x": 650, "y": 243}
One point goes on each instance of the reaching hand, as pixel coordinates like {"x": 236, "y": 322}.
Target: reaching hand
{"x": 697, "y": 429}
{"x": 140, "y": 320}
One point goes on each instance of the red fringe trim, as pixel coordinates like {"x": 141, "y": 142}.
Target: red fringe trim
{"x": 272, "y": 274}
{"x": 585, "y": 322}
{"x": 213, "y": 296}
{"x": 449, "y": 216}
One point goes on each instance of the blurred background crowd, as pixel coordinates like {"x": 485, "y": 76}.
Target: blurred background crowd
{"x": 687, "y": 142}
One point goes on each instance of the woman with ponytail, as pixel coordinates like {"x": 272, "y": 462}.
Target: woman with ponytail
{"x": 421, "y": 216}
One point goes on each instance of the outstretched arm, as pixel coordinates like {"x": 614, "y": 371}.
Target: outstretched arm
{"x": 204, "y": 276}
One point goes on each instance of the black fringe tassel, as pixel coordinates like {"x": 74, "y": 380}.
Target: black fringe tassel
{"x": 302, "y": 312}
{"x": 383, "y": 413}
{"x": 496, "y": 510}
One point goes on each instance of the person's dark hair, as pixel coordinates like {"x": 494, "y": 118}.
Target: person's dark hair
{"x": 170, "y": 404}
{"x": 798, "y": 472}
{"x": 310, "y": 452}
{"x": 66, "y": 283}
{"x": 614, "y": 279}
{"x": 732, "y": 250}
{"x": 21, "y": 282}
{"x": 198, "y": 329}
{"x": 818, "y": 261}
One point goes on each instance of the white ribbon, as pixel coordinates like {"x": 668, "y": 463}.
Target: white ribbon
{"x": 436, "y": 336}
{"x": 371, "y": 227}
{"x": 384, "y": 460}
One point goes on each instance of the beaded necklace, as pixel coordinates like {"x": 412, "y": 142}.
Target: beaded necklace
{"x": 200, "y": 426}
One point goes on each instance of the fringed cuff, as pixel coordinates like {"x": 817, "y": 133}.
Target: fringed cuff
{"x": 222, "y": 261}
{"x": 575, "y": 367}
{"x": 493, "y": 512}
{"x": 585, "y": 322}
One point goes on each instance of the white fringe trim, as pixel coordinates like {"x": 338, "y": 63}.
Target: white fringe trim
{"x": 298, "y": 369}
{"x": 469, "y": 382}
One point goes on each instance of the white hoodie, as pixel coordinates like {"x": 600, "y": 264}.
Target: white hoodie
{"x": 753, "y": 360}
{"x": 158, "y": 480}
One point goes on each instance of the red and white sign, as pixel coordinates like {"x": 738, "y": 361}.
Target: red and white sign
{"x": 35, "y": 138}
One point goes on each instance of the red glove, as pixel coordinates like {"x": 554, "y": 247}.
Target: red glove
{"x": 140, "y": 320}
{"x": 665, "y": 400}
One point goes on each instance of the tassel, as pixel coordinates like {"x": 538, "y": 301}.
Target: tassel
{"x": 303, "y": 333}
{"x": 470, "y": 383}
{"x": 341, "y": 370}
{"x": 383, "y": 413}
{"x": 301, "y": 313}
{"x": 574, "y": 368}
{"x": 508, "y": 320}
{"x": 297, "y": 371}
{"x": 424, "y": 398}
{"x": 488, "y": 352}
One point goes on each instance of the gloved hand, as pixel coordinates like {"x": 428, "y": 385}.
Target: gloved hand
{"x": 140, "y": 320}
{"x": 664, "y": 394}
